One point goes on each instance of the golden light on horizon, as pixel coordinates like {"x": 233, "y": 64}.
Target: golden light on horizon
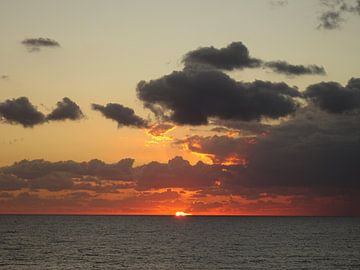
{"x": 181, "y": 214}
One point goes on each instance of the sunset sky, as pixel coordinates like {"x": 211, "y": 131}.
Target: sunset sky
{"x": 153, "y": 107}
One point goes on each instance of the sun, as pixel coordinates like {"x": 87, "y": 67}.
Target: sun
{"x": 181, "y": 214}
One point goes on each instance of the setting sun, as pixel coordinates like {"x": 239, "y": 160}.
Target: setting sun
{"x": 182, "y": 214}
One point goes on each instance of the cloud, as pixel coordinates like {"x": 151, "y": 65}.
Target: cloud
{"x": 288, "y": 69}
{"x": 121, "y": 171}
{"x": 335, "y": 98}
{"x": 177, "y": 173}
{"x": 95, "y": 176}
{"x": 35, "y": 44}
{"x": 220, "y": 149}
{"x": 11, "y": 182}
{"x": 335, "y": 12}
{"x": 234, "y": 56}
{"x": 278, "y": 3}
{"x": 192, "y": 97}
{"x": 4, "y": 77}
{"x": 65, "y": 109}
{"x": 330, "y": 20}
{"x": 20, "y": 111}
{"x": 160, "y": 129}
{"x": 312, "y": 150}
{"x": 240, "y": 127}
{"x": 124, "y": 116}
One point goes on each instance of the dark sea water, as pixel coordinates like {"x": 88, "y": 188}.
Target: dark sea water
{"x": 154, "y": 242}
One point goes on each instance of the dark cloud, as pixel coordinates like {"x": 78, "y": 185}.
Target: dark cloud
{"x": 26, "y": 169}
{"x": 192, "y": 97}
{"x": 124, "y": 116}
{"x": 294, "y": 70}
{"x": 4, "y": 77}
{"x": 335, "y": 98}
{"x": 10, "y": 182}
{"x": 65, "y": 109}
{"x": 176, "y": 173}
{"x": 241, "y": 127}
{"x": 312, "y": 154}
{"x": 313, "y": 150}
{"x": 95, "y": 176}
{"x": 335, "y": 12}
{"x": 234, "y": 56}
{"x": 20, "y": 111}
{"x": 220, "y": 149}
{"x": 35, "y": 44}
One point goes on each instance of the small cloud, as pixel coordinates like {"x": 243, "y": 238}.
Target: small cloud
{"x": 279, "y": 3}
{"x": 288, "y": 69}
{"x": 158, "y": 132}
{"x": 35, "y": 44}
{"x": 335, "y": 98}
{"x": 4, "y": 77}
{"x": 66, "y": 109}
{"x": 20, "y": 111}
{"x": 124, "y": 116}
{"x": 234, "y": 56}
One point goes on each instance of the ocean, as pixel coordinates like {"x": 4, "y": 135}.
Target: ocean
{"x": 167, "y": 242}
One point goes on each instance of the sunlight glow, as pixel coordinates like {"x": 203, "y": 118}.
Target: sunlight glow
{"x": 181, "y": 214}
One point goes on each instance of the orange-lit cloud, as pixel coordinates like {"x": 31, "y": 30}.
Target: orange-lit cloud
{"x": 158, "y": 132}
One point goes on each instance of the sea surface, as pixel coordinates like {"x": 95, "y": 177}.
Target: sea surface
{"x": 166, "y": 242}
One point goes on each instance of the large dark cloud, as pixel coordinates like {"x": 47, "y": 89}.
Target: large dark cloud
{"x": 20, "y": 111}
{"x": 335, "y": 98}
{"x": 234, "y": 56}
{"x": 294, "y": 70}
{"x": 66, "y": 109}
{"x": 192, "y": 97}
{"x": 315, "y": 149}
{"x": 124, "y": 116}
{"x": 35, "y": 44}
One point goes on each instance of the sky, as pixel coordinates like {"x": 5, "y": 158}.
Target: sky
{"x": 153, "y": 107}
